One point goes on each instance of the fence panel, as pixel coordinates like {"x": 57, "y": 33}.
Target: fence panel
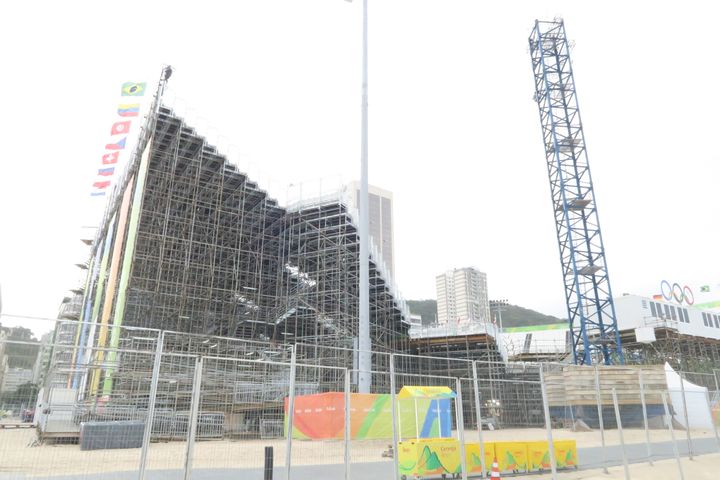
{"x": 318, "y": 435}
{"x": 240, "y": 413}
{"x": 79, "y": 411}
{"x": 697, "y": 406}
{"x": 171, "y": 420}
{"x": 578, "y": 412}
{"x": 85, "y": 412}
{"x": 371, "y": 447}
{"x": 19, "y": 389}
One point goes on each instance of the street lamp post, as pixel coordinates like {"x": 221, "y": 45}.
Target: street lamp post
{"x": 364, "y": 344}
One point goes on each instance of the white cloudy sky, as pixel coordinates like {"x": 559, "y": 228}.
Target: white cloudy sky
{"x": 454, "y": 132}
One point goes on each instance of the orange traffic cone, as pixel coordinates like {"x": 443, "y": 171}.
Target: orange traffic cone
{"x": 495, "y": 471}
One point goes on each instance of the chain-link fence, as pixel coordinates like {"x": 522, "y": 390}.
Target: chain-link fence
{"x": 168, "y": 405}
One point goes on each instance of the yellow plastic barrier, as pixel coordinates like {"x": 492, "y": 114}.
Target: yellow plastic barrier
{"x": 429, "y": 456}
{"x": 512, "y": 456}
{"x": 538, "y": 455}
{"x": 565, "y": 453}
{"x": 472, "y": 456}
{"x": 438, "y": 456}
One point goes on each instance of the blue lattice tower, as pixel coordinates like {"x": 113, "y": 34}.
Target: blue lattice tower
{"x": 591, "y": 311}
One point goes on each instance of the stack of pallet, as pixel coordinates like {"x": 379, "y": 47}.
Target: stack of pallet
{"x": 570, "y": 385}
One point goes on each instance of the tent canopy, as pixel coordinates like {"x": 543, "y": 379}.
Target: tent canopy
{"x": 425, "y": 392}
{"x": 688, "y": 395}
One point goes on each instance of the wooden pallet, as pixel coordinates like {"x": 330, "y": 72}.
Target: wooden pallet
{"x": 575, "y": 385}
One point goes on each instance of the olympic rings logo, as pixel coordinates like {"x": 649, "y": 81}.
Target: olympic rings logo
{"x": 677, "y": 292}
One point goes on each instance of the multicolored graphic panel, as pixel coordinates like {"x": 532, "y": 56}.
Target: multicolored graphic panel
{"x": 435, "y": 456}
{"x": 322, "y": 416}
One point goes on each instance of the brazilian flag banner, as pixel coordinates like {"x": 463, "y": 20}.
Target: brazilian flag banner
{"x": 133, "y": 89}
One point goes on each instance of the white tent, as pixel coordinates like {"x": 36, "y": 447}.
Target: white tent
{"x": 698, "y": 409}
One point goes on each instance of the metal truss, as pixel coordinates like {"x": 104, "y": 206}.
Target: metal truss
{"x": 587, "y": 285}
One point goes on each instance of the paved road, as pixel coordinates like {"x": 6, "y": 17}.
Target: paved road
{"x": 590, "y": 458}
{"x": 637, "y": 452}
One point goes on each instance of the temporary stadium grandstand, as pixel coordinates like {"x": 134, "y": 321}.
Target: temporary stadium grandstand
{"x": 190, "y": 244}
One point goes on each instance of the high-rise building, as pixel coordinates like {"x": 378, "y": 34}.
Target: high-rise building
{"x": 380, "y": 203}
{"x": 462, "y": 296}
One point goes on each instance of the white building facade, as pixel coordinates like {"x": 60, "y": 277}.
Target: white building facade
{"x": 462, "y": 296}
{"x": 645, "y": 314}
{"x": 380, "y": 207}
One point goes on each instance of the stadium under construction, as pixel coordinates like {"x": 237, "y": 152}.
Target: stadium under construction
{"x": 211, "y": 311}
{"x": 189, "y": 244}
{"x": 194, "y": 257}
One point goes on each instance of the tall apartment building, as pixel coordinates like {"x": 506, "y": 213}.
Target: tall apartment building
{"x": 380, "y": 203}
{"x": 462, "y": 296}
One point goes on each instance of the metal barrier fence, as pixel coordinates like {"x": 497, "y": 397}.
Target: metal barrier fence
{"x": 218, "y": 408}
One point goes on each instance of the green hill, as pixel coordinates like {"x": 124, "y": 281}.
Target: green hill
{"x": 516, "y": 316}
{"x": 512, "y": 315}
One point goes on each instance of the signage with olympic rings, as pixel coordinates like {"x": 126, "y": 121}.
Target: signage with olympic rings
{"x": 675, "y": 291}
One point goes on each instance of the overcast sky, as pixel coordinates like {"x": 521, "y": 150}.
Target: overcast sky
{"x": 454, "y": 133}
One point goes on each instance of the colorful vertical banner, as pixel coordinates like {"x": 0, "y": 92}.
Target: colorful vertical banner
{"x": 119, "y": 134}
{"x": 112, "y": 279}
{"x": 133, "y": 222}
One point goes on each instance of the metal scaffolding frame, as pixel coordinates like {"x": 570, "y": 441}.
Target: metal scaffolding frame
{"x": 591, "y": 311}
{"x": 260, "y": 390}
{"x": 190, "y": 244}
{"x": 681, "y": 351}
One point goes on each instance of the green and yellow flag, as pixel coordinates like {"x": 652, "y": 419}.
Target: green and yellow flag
{"x": 132, "y": 89}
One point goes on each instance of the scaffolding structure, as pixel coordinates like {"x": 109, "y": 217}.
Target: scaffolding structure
{"x": 194, "y": 258}
{"x": 681, "y": 351}
{"x": 591, "y": 311}
{"x": 248, "y": 379}
{"x": 190, "y": 244}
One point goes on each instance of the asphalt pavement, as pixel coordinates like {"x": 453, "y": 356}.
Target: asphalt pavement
{"x": 589, "y": 458}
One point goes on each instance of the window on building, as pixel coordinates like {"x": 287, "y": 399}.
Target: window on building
{"x": 653, "y": 312}
{"x": 705, "y": 320}
{"x": 672, "y": 312}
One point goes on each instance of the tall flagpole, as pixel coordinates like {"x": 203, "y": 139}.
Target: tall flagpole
{"x": 364, "y": 345}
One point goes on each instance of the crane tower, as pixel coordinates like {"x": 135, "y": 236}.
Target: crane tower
{"x": 591, "y": 311}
